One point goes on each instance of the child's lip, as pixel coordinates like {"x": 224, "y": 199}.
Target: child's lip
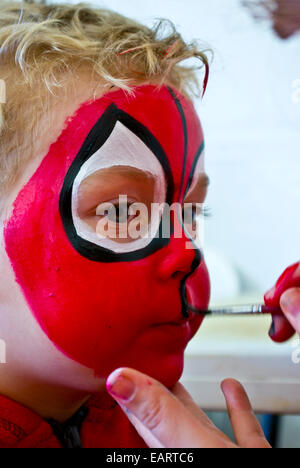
{"x": 179, "y": 321}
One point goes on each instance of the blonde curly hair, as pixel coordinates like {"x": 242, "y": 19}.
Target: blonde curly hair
{"x": 42, "y": 46}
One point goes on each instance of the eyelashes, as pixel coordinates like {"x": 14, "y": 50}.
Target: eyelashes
{"x": 196, "y": 210}
{"x": 116, "y": 212}
{"x": 207, "y": 212}
{"x": 122, "y": 213}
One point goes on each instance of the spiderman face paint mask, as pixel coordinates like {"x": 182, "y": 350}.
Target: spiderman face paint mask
{"x": 104, "y": 301}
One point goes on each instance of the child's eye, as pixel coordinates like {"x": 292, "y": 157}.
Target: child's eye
{"x": 121, "y": 214}
{"x": 118, "y": 213}
{"x": 123, "y": 220}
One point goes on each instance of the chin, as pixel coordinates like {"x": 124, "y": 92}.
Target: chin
{"x": 167, "y": 370}
{"x": 159, "y": 352}
{"x": 161, "y": 360}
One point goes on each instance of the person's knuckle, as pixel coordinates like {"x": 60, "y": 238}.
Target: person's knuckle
{"x": 152, "y": 413}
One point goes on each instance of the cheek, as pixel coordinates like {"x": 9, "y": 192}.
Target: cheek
{"x": 96, "y": 313}
{"x": 87, "y": 309}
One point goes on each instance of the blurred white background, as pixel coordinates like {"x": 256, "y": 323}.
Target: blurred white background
{"x": 252, "y": 129}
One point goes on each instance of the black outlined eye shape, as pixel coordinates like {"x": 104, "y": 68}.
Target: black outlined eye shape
{"x": 117, "y": 139}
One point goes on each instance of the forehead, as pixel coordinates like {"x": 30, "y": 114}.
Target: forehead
{"x": 169, "y": 118}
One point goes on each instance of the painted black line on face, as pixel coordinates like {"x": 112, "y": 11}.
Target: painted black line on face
{"x": 198, "y": 257}
{"x": 192, "y": 173}
{"x": 185, "y": 134}
{"x": 95, "y": 140}
{"x": 185, "y": 304}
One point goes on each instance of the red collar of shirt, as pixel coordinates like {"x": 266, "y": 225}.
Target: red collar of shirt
{"x": 105, "y": 426}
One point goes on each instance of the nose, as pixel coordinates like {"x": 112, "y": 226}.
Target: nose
{"x": 179, "y": 255}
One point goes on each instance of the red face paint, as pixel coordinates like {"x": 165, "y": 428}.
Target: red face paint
{"x": 287, "y": 280}
{"x": 103, "y": 310}
{"x": 281, "y": 330}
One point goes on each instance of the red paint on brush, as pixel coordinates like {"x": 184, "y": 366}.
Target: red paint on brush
{"x": 271, "y": 310}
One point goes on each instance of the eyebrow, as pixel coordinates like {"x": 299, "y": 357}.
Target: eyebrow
{"x": 127, "y": 171}
{"x": 122, "y": 172}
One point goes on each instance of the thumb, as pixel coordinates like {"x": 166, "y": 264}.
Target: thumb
{"x": 158, "y": 416}
{"x": 290, "y": 305}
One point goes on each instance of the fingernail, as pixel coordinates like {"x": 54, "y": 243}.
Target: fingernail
{"x": 290, "y": 302}
{"x": 272, "y": 330}
{"x": 120, "y": 386}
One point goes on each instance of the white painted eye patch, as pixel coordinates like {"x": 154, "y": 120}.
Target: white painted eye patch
{"x": 122, "y": 148}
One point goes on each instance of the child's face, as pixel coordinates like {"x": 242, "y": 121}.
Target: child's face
{"x": 107, "y": 299}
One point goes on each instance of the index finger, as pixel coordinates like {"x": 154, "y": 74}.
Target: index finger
{"x": 247, "y": 430}
{"x": 159, "y": 416}
{"x": 281, "y": 330}
{"x": 290, "y": 278}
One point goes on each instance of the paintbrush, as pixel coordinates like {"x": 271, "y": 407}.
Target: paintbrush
{"x": 252, "y": 309}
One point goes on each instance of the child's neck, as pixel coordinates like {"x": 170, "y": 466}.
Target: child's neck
{"x": 48, "y": 401}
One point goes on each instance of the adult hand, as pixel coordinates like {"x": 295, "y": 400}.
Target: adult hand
{"x": 286, "y": 293}
{"x": 171, "y": 419}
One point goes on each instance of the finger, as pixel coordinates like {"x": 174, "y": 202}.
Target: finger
{"x": 122, "y": 389}
{"x": 281, "y": 329}
{"x": 247, "y": 430}
{"x": 142, "y": 430}
{"x": 186, "y": 399}
{"x": 160, "y": 413}
{"x": 290, "y": 305}
{"x": 269, "y": 295}
{"x": 290, "y": 278}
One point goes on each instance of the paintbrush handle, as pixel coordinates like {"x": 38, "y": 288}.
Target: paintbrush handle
{"x": 252, "y": 309}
